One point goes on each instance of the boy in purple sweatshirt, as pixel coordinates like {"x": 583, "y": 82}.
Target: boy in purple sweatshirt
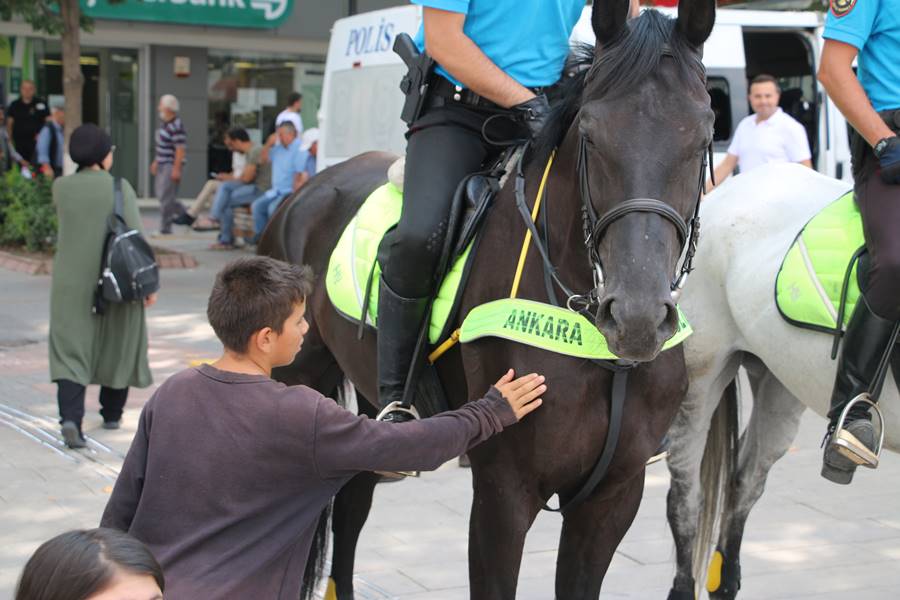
{"x": 229, "y": 470}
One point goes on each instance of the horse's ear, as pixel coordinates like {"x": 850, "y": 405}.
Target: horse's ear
{"x": 608, "y": 19}
{"x": 696, "y": 19}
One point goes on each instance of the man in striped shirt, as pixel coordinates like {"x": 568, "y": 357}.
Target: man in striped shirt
{"x": 171, "y": 144}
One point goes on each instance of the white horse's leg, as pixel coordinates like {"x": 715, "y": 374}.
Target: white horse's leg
{"x": 772, "y": 428}
{"x": 688, "y": 435}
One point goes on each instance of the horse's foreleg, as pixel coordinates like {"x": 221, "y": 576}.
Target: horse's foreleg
{"x": 504, "y": 506}
{"x": 772, "y": 427}
{"x": 351, "y": 509}
{"x": 591, "y": 533}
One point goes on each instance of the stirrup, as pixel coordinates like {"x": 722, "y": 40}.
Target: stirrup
{"x": 845, "y": 443}
{"x": 397, "y": 406}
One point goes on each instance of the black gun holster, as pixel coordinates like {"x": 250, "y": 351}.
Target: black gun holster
{"x": 417, "y": 80}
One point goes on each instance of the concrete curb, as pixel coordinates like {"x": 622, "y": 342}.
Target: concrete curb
{"x": 165, "y": 258}
{"x": 25, "y": 264}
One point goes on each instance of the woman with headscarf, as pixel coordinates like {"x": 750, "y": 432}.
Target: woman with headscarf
{"x": 109, "y": 350}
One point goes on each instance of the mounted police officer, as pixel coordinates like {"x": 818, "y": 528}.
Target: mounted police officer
{"x": 869, "y": 29}
{"x": 494, "y": 60}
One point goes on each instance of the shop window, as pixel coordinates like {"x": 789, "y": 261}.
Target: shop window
{"x": 720, "y": 101}
{"x": 249, "y": 90}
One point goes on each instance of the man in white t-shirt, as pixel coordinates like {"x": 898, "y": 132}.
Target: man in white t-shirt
{"x": 769, "y": 135}
{"x": 292, "y": 112}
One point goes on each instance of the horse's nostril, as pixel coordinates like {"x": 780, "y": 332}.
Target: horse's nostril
{"x": 669, "y": 323}
{"x": 605, "y": 319}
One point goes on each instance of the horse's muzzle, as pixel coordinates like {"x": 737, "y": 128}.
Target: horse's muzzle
{"x": 636, "y": 330}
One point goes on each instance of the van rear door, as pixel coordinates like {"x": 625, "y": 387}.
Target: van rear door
{"x": 361, "y": 98}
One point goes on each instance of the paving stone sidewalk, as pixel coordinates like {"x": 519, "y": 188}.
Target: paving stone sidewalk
{"x": 806, "y": 538}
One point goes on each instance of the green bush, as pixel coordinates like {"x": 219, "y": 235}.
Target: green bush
{"x": 27, "y": 216}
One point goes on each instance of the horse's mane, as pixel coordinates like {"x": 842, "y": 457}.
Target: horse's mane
{"x": 618, "y": 69}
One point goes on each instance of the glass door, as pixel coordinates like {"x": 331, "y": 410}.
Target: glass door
{"x": 119, "y": 69}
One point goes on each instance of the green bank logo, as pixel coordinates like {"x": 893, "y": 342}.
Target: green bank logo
{"x": 221, "y": 13}
{"x": 541, "y": 325}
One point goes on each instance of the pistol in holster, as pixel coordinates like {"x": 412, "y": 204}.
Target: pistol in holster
{"x": 417, "y": 79}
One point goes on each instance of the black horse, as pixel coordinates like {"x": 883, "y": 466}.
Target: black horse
{"x": 633, "y": 127}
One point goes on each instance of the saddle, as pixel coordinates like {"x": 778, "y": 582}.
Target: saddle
{"x": 817, "y": 285}
{"x": 354, "y": 266}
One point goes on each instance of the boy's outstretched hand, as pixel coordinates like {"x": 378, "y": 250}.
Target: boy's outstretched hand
{"x": 522, "y": 393}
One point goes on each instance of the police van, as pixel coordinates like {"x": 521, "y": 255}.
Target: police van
{"x": 361, "y": 100}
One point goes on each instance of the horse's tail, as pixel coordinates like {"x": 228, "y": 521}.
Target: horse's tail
{"x": 315, "y": 564}
{"x": 717, "y": 472}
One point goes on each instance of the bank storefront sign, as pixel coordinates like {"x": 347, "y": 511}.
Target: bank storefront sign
{"x": 215, "y": 13}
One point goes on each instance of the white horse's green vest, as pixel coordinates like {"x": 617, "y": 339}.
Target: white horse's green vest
{"x": 808, "y": 287}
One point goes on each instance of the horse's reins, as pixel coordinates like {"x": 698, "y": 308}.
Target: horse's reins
{"x": 593, "y": 228}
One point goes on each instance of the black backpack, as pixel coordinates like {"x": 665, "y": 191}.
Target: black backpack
{"x": 128, "y": 270}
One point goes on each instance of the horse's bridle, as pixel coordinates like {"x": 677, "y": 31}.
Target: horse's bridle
{"x": 593, "y": 228}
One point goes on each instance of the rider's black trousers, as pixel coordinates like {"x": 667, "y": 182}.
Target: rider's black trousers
{"x": 879, "y": 204}
{"x": 445, "y": 145}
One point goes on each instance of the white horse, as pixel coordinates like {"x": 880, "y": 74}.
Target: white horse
{"x": 748, "y": 224}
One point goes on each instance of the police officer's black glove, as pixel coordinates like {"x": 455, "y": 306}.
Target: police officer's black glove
{"x": 889, "y": 159}
{"x": 533, "y": 113}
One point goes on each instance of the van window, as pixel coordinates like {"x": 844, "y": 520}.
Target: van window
{"x": 720, "y": 101}
{"x": 363, "y": 111}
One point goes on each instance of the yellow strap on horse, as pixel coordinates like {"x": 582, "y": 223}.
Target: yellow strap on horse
{"x": 527, "y": 241}
{"x": 454, "y": 337}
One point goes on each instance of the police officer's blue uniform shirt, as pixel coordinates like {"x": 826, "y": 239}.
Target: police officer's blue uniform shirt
{"x": 873, "y": 28}
{"x": 527, "y": 39}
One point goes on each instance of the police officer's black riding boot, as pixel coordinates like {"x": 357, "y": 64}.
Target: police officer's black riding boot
{"x": 399, "y": 323}
{"x": 863, "y": 346}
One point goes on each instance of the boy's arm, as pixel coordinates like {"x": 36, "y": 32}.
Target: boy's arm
{"x": 345, "y": 444}
{"x": 126, "y": 494}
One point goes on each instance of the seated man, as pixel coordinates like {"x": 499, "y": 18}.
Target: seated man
{"x": 210, "y": 188}
{"x": 255, "y": 179}
{"x": 288, "y": 174}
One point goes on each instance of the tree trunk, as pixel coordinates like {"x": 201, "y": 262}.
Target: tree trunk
{"x": 73, "y": 80}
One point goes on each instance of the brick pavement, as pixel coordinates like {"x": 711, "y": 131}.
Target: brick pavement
{"x": 806, "y": 538}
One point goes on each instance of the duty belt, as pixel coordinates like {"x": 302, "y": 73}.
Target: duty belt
{"x": 444, "y": 92}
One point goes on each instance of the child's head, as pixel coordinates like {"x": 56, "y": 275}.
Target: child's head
{"x": 96, "y": 564}
{"x": 258, "y": 304}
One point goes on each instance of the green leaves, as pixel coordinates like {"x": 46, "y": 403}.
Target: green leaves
{"x": 27, "y": 216}
{"x": 42, "y": 15}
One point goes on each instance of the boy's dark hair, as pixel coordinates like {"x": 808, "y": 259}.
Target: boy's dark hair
{"x": 238, "y": 134}
{"x": 253, "y": 293}
{"x": 765, "y": 78}
{"x": 293, "y": 98}
{"x": 78, "y": 564}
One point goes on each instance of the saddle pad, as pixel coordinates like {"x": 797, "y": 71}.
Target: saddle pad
{"x": 808, "y": 286}
{"x": 547, "y": 327}
{"x": 355, "y": 255}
